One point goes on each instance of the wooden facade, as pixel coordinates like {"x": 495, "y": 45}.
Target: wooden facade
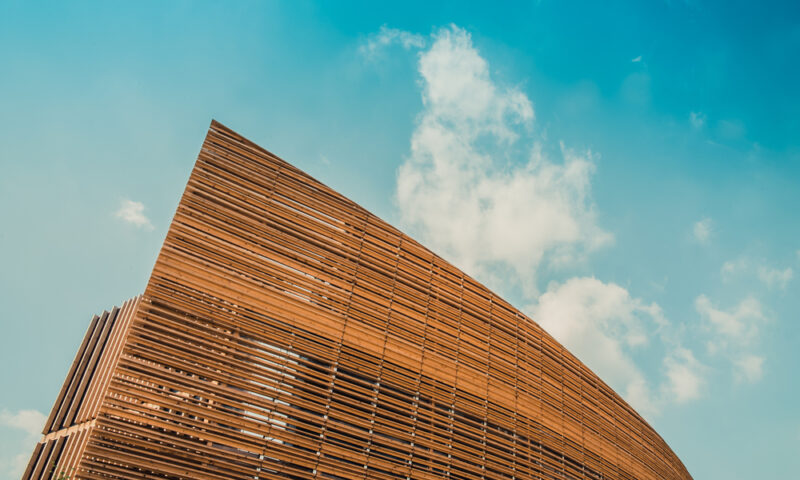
{"x": 286, "y": 332}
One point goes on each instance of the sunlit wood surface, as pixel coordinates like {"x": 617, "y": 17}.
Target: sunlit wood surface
{"x": 286, "y": 332}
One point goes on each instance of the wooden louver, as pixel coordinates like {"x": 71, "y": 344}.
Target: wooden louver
{"x": 286, "y": 332}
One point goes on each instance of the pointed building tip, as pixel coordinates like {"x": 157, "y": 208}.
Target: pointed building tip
{"x": 219, "y": 126}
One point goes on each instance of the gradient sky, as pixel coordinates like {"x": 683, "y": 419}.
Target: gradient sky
{"x": 642, "y": 161}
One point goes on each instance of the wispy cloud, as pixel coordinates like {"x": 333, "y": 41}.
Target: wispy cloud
{"x": 637, "y": 59}
{"x": 697, "y": 120}
{"x": 739, "y": 323}
{"x": 386, "y": 37}
{"x": 133, "y": 212}
{"x": 685, "y": 376}
{"x": 769, "y": 276}
{"x": 702, "y": 230}
{"x": 732, "y": 268}
{"x": 773, "y": 277}
{"x": 29, "y": 421}
{"x": 731, "y": 129}
{"x": 30, "y": 424}
{"x": 748, "y": 368}
{"x": 734, "y": 334}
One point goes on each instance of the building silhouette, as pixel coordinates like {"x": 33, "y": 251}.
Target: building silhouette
{"x": 286, "y": 332}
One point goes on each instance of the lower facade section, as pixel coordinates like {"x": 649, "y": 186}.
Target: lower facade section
{"x": 59, "y": 453}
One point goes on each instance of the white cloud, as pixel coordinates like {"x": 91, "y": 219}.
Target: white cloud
{"x": 27, "y": 422}
{"x": 749, "y": 368}
{"x": 466, "y": 188}
{"x": 684, "y": 375}
{"x": 637, "y": 59}
{"x": 133, "y": 213}
{"x": 697, "y": 120}
{"x": 739, "y": 324}
{"x": 734, "y": 333}
{"x": 773, "y": 277}
{"x": 13, "y": 465}
{"x": 603, "y": 325}
{"x": 731, "y": 268}
{"x": 389, "y": 36}
{"x": 480, "y": 189}
{"x": 702, "y": 230}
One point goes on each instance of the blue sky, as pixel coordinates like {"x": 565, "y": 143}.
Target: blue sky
{"x": 642, "y": 160}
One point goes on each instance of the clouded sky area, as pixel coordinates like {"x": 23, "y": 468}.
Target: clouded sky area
{"x": 627, "y": 174}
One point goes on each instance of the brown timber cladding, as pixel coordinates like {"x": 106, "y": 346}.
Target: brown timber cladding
{"x": 286, "y": 332}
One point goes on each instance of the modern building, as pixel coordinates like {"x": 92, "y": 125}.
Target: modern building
{"x": 286, "y": 332}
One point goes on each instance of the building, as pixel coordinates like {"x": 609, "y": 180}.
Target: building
{"x": 286, "y": 332}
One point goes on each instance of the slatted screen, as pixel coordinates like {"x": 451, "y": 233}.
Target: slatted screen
{"x": 286, "y": 332}
{"x": 75, "y": 411}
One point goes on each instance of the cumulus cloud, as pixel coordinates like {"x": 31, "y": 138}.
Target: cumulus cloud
{"x": 386, "y": 37}
{"x": 475, "y": 187}
{"x": 734, "y": 334}
{"x": 697, "y": 120}
{"x": 702, "y": 230}
{"x": 604, "y": 326}
{"x": 480, "y": 188}
{"x": 133, "y": 213}
{"x": 773, "y": 277}
{"x": 29, "y": 423}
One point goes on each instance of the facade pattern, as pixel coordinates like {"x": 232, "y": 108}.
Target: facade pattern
{"x": 286, "y": 332}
